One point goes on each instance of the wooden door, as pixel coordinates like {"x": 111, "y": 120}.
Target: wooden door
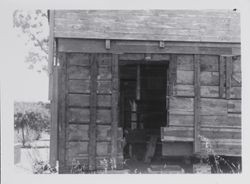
{"x": 88, "y": 124}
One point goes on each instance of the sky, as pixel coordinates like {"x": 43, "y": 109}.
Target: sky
{"x": 29, "y": 85}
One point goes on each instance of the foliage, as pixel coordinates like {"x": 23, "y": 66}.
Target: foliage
{"x": 34, "y": 120}
{"x": 40, "y": 167}
{"x": 31, "y": 117}
{"x": 33, "y": 25}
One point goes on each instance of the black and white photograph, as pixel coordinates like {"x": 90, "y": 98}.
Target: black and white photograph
{"x": 138, "y": 91}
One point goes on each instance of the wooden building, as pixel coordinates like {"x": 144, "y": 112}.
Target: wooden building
{"x": 143, "y": 82}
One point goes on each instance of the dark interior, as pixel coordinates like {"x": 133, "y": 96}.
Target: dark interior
{"x": 142, "y": 109}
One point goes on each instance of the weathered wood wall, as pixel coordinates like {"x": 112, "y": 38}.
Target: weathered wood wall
{"x": 88, "y": 110}
{"x": 171, "y": 25}
{"x": 220, "y": 104}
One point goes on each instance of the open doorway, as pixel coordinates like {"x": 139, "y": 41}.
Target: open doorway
{"x": 143, "y": 89}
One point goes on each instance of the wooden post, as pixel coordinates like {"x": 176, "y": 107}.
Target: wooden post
{"x": 114, "y": 125}
{"x": 222, "y": 76}
{"x": 54, "y": 121}
{"x": 228, "y": 76}
{"x": 62, "y": 91}
{"x": 197, "y": 102}
{"x": 93, "y": 104}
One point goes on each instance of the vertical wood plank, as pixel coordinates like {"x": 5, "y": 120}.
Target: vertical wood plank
{"x": 114, "y": 125}
{"x": 172, "y": 69}
{"x": 197, "y": 103}
{"x": 138, "y": 82}
{"x": 168, "y": 92}
{"x": 54, "y": 120}
{"x": 93, "y": 104}
{"x": 51, "y": 51}
{"x": 222, "y": 76}
{"x": 228, "y": 76}
{"x": 62, "y": 81}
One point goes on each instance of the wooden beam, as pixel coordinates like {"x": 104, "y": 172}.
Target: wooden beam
{"x": 51, "y": 51}
{"x": 97, "y": 46}
{"x": 228, "y": 75}
{"x": 93, "y": 113}
{"x": 114, "y": 124}
{"x": 222, "y": 76}
{"x": 197, "y": 104}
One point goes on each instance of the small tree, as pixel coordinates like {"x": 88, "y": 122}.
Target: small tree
{"x": 31, "y": 120}
{"x": 20, "y": 123}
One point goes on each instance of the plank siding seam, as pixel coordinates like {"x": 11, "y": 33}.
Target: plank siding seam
{"x": 197, "y": 104}
{"x": 114, "y": 111}
{"x": 93, "y": 103}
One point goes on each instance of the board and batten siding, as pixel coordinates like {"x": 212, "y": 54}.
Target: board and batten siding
{"x": 170, "y": 25}
{"x": 220, "y": 112}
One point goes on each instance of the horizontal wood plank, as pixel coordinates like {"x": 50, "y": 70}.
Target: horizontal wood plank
{"x": 188, "y": 90}
{"x": 234, "y": 106}
{"x": 186, "y": 133}
{"x": 79, "y": 86}
{"x": 219, "y": 121}
{"x": 103, "y": 116}
{"x": 177, "y": 149}
{"x": 103, "y": 132}
{"x": 235, "y": 92}
{"x": 78, "y": 132}
{"x": 76, "y": 150}
{"x": 185, "y": 62}
{"x": 78, "y": 115}
{"x": 76, "y": 72}
{"x": 78, "y": 100}
{"x": 213, "y": 106}
{"x": 103, "y": 148}
{"x": 207, "y": 78}
{"x": 104, "y": 100}
{"x": 209, "y": 106}
{"x": 104, "y": 73}
{"x": 104, "y": 87}
{"x": 78, "y": 59}
{"x": 178, "y": 105}
{"x": 173, "y": 25}
{"x": 209, "y": 63}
